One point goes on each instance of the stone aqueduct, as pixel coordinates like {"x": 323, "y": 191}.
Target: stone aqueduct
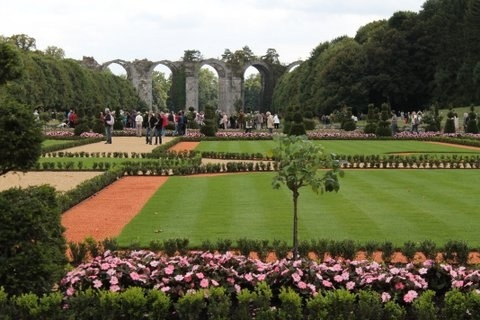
{"x": 230, "y": 82}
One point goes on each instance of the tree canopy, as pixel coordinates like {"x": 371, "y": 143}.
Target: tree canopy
{"x": 409, "y": 61}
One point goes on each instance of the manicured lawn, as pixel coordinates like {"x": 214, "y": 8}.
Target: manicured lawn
{"x": 393, "y": 205}
{"x": 54, "y": 142}
{"x": 349, "y": 147}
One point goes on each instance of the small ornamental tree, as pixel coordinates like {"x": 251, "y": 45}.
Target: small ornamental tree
{"x": 32, "y": 246}
{"x": 384, "y": 129}
{"x": 210, "y": 126}
{"x": 472, "y": 124}
{"x": 372, "y": 120}
{"x": 299, "y": 162}
{"x": 450, "y": 122}
{"x": 20, "y": 137}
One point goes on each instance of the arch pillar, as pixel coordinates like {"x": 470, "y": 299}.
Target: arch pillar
{"x": 141, "y": 77}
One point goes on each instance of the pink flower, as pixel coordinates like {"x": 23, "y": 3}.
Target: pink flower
{"x": 296, "y": 277}
{"x": 204, "y": 283}
{"x": 399, "y": 286}
{"x": 134, "y": 276}
{"x": 338, "y": 278}
{"x": 70, "y": 291}
{"x": 179, "y": 278}
{"x": 410, "y": 296}
{"x": 169, "y": 269}
{"x": 113, "y": 280}
{"x": 248, "y": 277}
{"x": 386, "y": 297}
{"x": 302, "y": 285}
{"x": 114, "y": 288}
{"x": 97, "y": 284}
{"x": 327, "y": 284}
{"x": 350, "y": 285}
{"x": 200, "y": 275}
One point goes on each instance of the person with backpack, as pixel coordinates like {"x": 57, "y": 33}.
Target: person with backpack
{"x": 108, "y": 121}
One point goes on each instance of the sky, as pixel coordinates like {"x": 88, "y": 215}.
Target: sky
{"x": 163, "y": 29}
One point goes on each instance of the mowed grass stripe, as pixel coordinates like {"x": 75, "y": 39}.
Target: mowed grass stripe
{"x": 393, "y": 205}
{"x": 349, "y": 147}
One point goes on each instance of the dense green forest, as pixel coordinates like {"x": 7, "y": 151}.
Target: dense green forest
{"x": 410, "y": 61}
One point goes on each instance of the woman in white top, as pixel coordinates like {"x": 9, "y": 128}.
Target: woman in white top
{"x": 138, "y": 124}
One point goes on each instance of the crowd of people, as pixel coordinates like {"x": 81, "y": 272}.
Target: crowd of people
{"x": 249, "y": 121}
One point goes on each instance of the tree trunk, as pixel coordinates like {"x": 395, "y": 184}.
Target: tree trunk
{"x": 295, "y": 225}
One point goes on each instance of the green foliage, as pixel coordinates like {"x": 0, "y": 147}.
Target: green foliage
{"x": 372, "y": 120}
{"x": 449, "y": 123}
{"x": 191, "y": 306}
{"x": 393, "y": 311}
{"x": 384, "y": 129}
{"x": 472, "y": 124}
{"x": 298, "y": 162}
{"x": 290, "y": 304}
{"x": 369, "y": 305}
{"x": 20, "y": 137}
{"x": 210, "y": 127}
{"x": 158, "y": 304}
{"x": 11, "y": 65}
{"x": 32, "y": 246}
{"x": 218, "y": 304}
{"x": 456, "y": 305}
{"x": 423, "y": 307}
{"x": 332, "y": 305}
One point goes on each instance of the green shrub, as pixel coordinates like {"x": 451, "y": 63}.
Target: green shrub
{"x": 332, "y": 305}
{"x": 83, "y": 305}
{"x": 218, "y": 304}
{"x": 78, "y": 252}
{"x": 133, "y": 303}
{"x": 81, "y": 128}
{"x": 191, "y": 306}
{"x": 456, "y": 252}
{"x": 423, "y": 307}
{"x": 455, "y": 305}
{"x": 110, "y": 305}
{"x": 393, "y": 311}
{"x": 31, "y": 240}
{"x": 369, "y": 305}
{"x": 290, "y": 305}
{"x": 429, "y": 249}
{"x": 159, "y": 304}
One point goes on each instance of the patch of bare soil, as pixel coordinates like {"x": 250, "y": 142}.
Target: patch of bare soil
{"x": 106, "y": 213}
{"x": 60, "y": 180}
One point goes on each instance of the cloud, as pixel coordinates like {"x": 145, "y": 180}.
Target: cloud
{"x": 164, "y": 29}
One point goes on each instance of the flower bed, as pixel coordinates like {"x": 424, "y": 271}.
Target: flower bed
{"x": 199, "y": 270}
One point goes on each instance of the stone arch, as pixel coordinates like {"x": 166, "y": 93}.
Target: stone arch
{"x": 268, "y": 83}
{"x": 293, "y": 65}
{"x": 124, "y": 64}
{"x": 173, "y": 66}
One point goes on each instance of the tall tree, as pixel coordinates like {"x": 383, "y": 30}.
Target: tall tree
{"x": 207, "y": 89}
{"x": 300, "y": 163}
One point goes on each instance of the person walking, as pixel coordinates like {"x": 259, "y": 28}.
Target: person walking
{"x": 394, "y": 123}
{"x": 276, "y": 121}
{"x": 108, "y": 121}
{"x": 270, "y": 125}
{"x": 158, "y": 129}
{"x": 138, "y": 124}
{"x": 149, "y": 124}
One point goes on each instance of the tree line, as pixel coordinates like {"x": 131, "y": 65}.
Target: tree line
{"x": 409, "y": 61}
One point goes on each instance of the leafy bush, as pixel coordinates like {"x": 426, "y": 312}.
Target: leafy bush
{"x": 32, "y": 247}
